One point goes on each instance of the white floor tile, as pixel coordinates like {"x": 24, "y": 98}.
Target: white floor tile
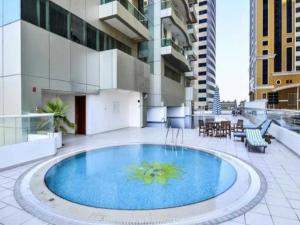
{"x": 258, "y": 219}
{"x": 282, "y": 221}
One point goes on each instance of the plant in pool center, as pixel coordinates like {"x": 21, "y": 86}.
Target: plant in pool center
{"x": 155, "y": 172}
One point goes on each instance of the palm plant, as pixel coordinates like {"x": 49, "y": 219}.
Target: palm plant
{"x": 59, "y": 111}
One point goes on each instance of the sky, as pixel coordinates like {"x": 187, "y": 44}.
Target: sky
{"x": 233, "y": 49}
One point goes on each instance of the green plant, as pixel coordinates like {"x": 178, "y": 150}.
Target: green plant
{"x": 157, "y": 172}
{"x": 59, "y": 110}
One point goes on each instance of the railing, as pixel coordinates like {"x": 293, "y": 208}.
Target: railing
{"x": 25, "y": 128}
{"x": 169, "y": 42}
{"x": 131, "y": 9}
{"x": 169, "y": 4}
{"x": 289, "y": 119}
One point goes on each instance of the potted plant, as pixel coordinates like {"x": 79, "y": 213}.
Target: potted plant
{"x": 61, "y": 121}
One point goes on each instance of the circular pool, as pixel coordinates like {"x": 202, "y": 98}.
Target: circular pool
{"x": 140, "y": 184}
{"x": 140, "y": 177}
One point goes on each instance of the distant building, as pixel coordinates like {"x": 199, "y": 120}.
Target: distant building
{"x": 275, "y": 52}
{"x": 205, "y": 66}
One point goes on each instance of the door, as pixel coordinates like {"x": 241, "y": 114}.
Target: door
{"x": 80, "y": 114}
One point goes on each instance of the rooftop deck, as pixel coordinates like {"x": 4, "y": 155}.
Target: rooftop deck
{"x": 281, "y": 205}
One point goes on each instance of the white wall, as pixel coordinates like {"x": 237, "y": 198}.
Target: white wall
{"x": 113, "y": 109}
{"x": 157, "y": 114}
{"x": 286, "y": 137}
{"x": 12, "y": 155}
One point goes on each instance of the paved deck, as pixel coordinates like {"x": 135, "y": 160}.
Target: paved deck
{"x": 281, "y": 205}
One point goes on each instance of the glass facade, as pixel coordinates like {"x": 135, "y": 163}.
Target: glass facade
{"x": 278, "y": 35}
{"x": 52, "y": 17}
{"x": 265, "y": 17}
{"x": 265, "y": 72}
{"x": 289, "y": 59}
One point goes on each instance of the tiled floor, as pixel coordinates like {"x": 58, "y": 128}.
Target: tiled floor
{"x": 281, "y": 205}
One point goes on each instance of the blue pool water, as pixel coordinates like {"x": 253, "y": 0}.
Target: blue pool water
{"x": 103, "y": 178}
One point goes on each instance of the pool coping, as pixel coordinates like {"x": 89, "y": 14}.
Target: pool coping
{"x": 31, "y": 204}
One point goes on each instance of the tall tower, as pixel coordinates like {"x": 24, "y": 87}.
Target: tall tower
{"x": 206, "y": 48}
{"x": 274, "y": 52}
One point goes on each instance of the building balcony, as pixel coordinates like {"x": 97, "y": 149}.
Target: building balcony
{"x": 190, "y": 94}
{"x": 175, "y": 55}
{"x": 192, "y": 33}
{"x": 125, "y": 17}
{"x": 193, "y": 14}
{"x": 122, "y": 71}
{"x": 191, "y": 53}
{"x": 191, "y": 75}
{"x": 174, "y": 21}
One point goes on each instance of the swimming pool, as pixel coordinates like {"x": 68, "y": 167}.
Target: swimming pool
{"x": 140, "y": 177}
{"x": 130, "y": 183}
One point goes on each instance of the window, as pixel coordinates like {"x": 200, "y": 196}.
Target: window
{"x": 55, "y": 19}
{"x": 203, "y": 73}
{"x": 59, "y": 18}
{"x": 77, "y": 29}
{"x": 202, "y": 29}
{"x": 201, "y": 64}
{"x": 203, "y": 3}
{"x": 289, "y": 40}
{"x": 202, "y": 82}
{"x": 202, "y": 56}
{"x": 289, "y": 16}
{"x": 202, "y": 21}
{"x": 202, "y": 99}
{"x": 92, "y": 37}
{"x": 203, "y": 38}
{"x": 35, "y": 12}
{"x": 265, "y": 52}
{"x": 203, "y": 12}
{"x": 265, "y": 72}
{"x": 202, "y": 47}
{"x": 278, "y": 35}
{"x": 289, "y": 59}
{"x": 265, "y": 17}
{"x": 29, "y": 11}
{"x": 265, "y": 43}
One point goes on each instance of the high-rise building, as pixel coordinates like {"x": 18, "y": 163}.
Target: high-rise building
{"x": 84, "y": 51}
{"x": 205, "y": 66}
{"x": 171, "y": 90}
{"x": 275, "y": 52}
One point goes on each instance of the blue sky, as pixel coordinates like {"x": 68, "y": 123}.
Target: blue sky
{"x": 233, "y": 48}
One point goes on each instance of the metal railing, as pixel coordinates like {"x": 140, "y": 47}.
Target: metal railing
{"x": 169, "y": 4}
{"x": 131, "y": 9}
{"x": 169, "y": 42}
{"x": 25, "y": 128}
{"x": 289, "y": 119}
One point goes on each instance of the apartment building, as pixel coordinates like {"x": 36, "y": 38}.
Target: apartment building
{"x": 84, "y": 51}
{"x": 205, "y": 66}
{"x": 171, "y": 91}
{"x": 275, "y": 52}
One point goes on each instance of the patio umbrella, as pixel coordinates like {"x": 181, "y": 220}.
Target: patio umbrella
{"x": 216, "y": 103}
